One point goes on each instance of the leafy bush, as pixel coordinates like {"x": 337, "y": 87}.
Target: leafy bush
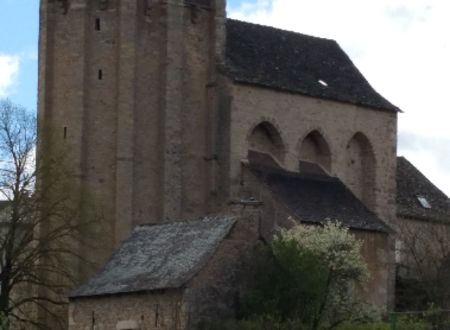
{"x": 307, "y": 274}
{"x": 364, "y": 326}
{"x": 3, "y": 322}
{"x": 287, "y": 284}
{"x": 411, "y": 323}
{"x": 402, "y": 323}
{"x": 256, "y": 323}
{"x": 268, "y": 323}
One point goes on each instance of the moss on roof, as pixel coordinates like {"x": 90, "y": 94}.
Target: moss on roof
{"x": 159, "y": 257}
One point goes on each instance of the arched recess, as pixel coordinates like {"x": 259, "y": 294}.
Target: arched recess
{"x": 360, "y": 169}
{"x": 314, "y": 149}
{"x": 267, "y": 139}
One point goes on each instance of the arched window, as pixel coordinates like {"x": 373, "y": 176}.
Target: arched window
{"x": 265, "y": 138}
{"x": 314, "y": 150}
{"x": 360, "y": 169}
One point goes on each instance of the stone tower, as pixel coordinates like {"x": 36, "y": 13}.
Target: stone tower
{"x": 129, "y": 88}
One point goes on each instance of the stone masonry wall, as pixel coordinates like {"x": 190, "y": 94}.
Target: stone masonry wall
{"x": 378, "y": 254}
{"x": 295, "y": 116}
{"x": 216, "y": 291}
{"x": 421, "y": 246}
{"x": 377, "y": 249}
{"x": 161, "y": 310}
{"x": 211, "y": 294}
{"x": 128, "y": 90}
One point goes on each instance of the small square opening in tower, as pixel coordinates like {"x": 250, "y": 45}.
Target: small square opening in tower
{"x": 97, "y": 24}
{"x": 100, "y": 74}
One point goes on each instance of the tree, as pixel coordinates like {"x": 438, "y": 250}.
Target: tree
{"x": 423, "y": 265}
{"x": 307, "y": 274}
{"x": 39, "y": 223}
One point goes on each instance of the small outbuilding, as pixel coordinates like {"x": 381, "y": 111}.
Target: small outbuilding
{"x": 168, "y": 276}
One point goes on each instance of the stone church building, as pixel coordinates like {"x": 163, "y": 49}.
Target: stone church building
{"x": 198, "y": 136}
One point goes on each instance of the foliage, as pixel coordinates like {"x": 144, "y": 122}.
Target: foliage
{"x": 402, "y": 323}
{"x": 39, "y": 224}
{"x": 307, "y": 274}
{"x": 3, "y": 322}
{"x": 411, "y": 323}
{"x": 254, "y": 323}
{"x": 285, "y": 273}
{"x": 423, "y": 269}
{"x": 364, "y": 326}
{"x": 268, "y": 323}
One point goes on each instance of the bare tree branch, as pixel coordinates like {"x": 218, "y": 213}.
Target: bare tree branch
{"x": 40, "y": 222}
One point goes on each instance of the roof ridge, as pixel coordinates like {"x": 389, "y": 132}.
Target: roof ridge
{"x": 422, "y": 175}
{"x": 281, "y": 29}
{"x": 286, "y": 60}
{"x": 208, "y": 218}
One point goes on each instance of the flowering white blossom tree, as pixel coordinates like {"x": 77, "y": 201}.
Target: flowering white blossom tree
{"x": 342, "y": 265}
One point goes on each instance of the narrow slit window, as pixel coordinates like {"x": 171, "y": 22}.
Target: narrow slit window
{"x": 97, "y": 24}
{"x": 157, "y": 316}
{"x": 65, "y": 132}
{"x": 100, "y": 74}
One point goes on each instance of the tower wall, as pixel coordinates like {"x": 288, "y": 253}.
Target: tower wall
{"x": 128, "y": 89}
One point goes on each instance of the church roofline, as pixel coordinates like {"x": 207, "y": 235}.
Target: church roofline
{"x": 290, "y": 61}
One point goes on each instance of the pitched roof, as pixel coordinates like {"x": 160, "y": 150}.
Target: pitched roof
{"x": 200, "y": 3}
{"x": 159, "y": 257}
{"x": 315, "y": 198}
{"x": 295, "y": 62}
{"x": 411, "y": 184}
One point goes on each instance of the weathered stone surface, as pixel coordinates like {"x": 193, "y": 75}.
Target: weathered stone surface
{"x": 136, "y": 94}
{"x": 213, "y": 292}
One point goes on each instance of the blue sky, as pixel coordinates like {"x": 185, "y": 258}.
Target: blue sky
{"x": 19, "y": 20}
{"x": 401, "y": 46}
{"x": 19, "y": 24}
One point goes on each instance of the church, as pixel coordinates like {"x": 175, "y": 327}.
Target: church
{"x": 198, "y": 136}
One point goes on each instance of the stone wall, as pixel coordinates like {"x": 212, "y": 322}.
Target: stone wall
{"x": 128, "y": 89}
{"x": 295, "y": 116}
{"x": 159, "y": 310}
{"x": 421, "y": 246}
{"x": 215, "y": 293}
{"x": 211, "y": 294}
{"x": 377, "y": 249}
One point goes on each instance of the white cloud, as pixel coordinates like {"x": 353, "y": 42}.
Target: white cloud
{"x": 9, "y": 68}
{"x": 401, "y": 46}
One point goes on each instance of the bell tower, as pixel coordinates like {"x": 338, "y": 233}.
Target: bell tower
{"x": 129, "y": 89}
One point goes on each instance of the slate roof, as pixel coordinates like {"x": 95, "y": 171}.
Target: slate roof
{"x": 314, "y": 198}
{"x": 201, "y": 3}
{"x": 159, "y": 257}
{"x": 411, "y": 183}
{"x": 295, "y": 62}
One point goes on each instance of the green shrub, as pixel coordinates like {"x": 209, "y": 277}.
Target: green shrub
{"x": 257, "y": 323}
{"x": 364, "y": 326}
{"x": 411, "y": 323}
{"x": 289, "y": 283}
{"x": 307, "y": 274}
{"x": 269, "y": 323}
{"x": 402, "y": 323}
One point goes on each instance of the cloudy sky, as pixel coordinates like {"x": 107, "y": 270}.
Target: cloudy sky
{"x": 401, "y": 46}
